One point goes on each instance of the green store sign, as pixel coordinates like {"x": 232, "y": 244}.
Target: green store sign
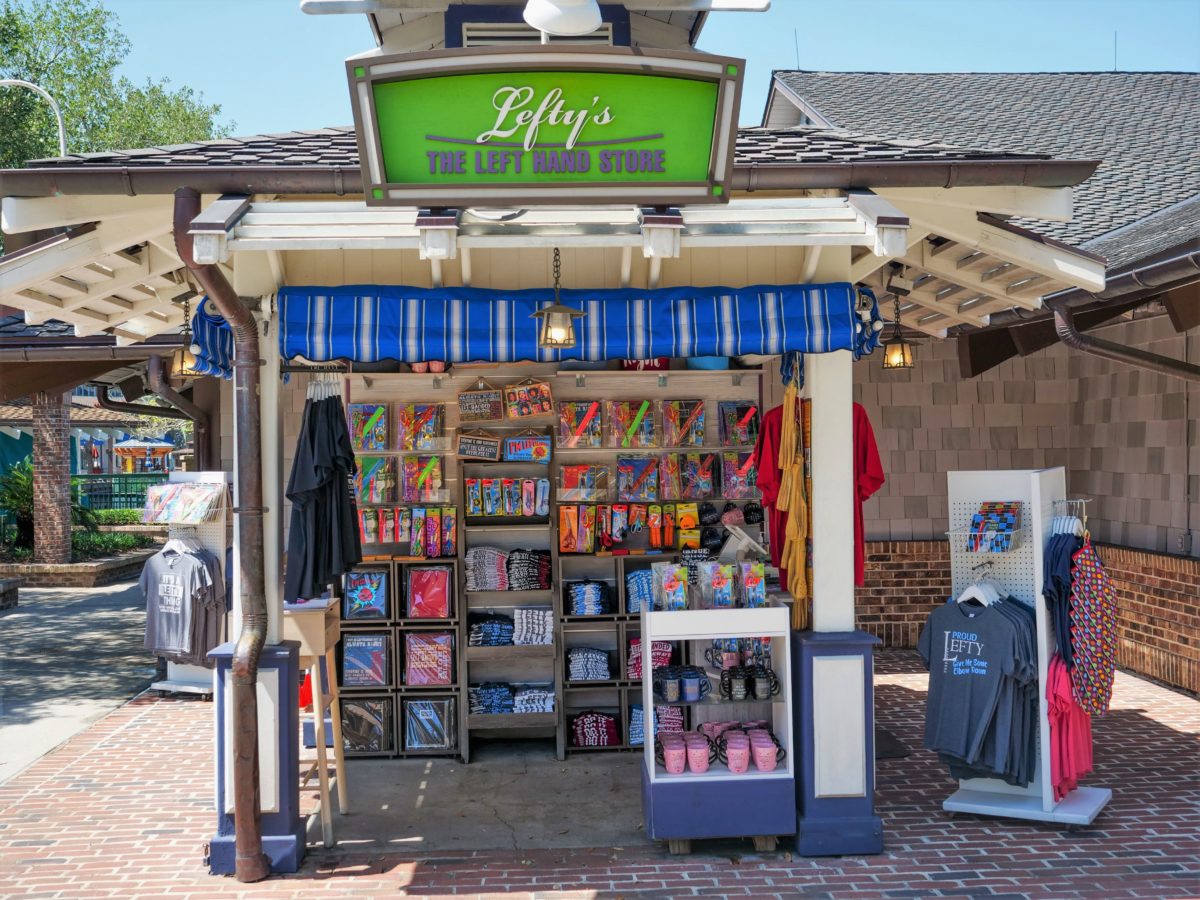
{"x": 545, "y": 125}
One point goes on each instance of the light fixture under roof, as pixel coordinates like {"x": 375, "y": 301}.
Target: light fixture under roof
{"x": 563, "y": 18}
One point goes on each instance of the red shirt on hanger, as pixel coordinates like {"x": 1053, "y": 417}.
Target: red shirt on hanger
{"x": 868, "y": 478}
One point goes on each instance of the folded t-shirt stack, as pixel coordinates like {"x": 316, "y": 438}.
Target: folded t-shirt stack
{"x": 594, "y": 729}
{"x": 534, "y": 700}
{"x": 533, "y": 626}
{"x": 490, "y": 630}
{"x": 660, "y": 655}
{"x": 668, "y": 719}
{"x": 588, "y": 598}
{"x": 529, "y": 570}
{"x": 491, "y": 697}
{"x": 487, "y": 569}
{"x": 637, "y": 727}
{"x": 639, "y": 591}
{"x": 587, "y": 664}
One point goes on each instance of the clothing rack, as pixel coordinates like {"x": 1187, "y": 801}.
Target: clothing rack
{"x": 213, "y": 536}
{"x": 1019, "y": 571}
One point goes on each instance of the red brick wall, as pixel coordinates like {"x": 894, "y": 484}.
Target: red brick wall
{"x": 51, "y": 479}
{"x": 903, "y": 581}
{"x": 1158, "y": 603}
{"x": 1159, "y": 630}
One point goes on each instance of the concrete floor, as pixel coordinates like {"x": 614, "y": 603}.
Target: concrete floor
{"x": 513, "y": 796}
{"x": 68, "y": 656}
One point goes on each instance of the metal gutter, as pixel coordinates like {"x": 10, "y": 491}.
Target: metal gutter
{"x": 251, "y": 864}
{"x": 1064, "y": 325}
{"x": 16, "y": 352}
{"x": 347, "y": 180}
{"x": 200, "y": 419}
{"x": 104, "y": 401}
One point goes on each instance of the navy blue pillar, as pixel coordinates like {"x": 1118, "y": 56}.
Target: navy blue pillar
{"x": 832, "y": 673}
{"x": 279, "y": 759}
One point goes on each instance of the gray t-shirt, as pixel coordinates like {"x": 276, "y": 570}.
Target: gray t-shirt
{"x": 969, "y": 651}
{"x": 173, "y": 583}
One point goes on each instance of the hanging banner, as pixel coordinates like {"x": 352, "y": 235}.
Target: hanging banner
{"x": 545, "y": 124}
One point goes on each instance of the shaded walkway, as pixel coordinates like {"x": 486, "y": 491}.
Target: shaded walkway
{"x": 68, "y": 656}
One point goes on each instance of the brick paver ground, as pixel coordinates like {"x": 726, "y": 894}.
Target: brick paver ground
{"x": 123, "y": 810}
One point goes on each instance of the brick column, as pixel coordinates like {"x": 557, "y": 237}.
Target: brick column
{"x": 51, "y": 478}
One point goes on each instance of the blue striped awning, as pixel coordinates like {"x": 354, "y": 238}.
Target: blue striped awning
{"x": 212, "y": 342}
{"x": 370, "y": 323}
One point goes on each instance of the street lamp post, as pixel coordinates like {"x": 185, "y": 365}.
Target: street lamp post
{"x": 62, "y": 131}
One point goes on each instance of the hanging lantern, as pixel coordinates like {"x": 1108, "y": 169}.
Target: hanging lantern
{"x": 557, "y": 328}
{"x": 183, "y": 360}
{"x": 897, "y": 352}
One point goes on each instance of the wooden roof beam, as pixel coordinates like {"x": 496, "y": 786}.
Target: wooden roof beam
{"x": 923, "y": 258}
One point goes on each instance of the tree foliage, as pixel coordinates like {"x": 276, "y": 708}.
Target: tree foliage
{"x": 72, "y": 49}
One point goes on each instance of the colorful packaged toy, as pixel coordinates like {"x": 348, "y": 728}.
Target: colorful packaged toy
{"x": 637, "y": 479}
{"x": 739, "y": 423}
{"x": 632, "y": 424}
{"x": 579, "y": 424}
{"x": 420, "y": 426}
{"x": 375, "y": 482}
{"x": 753, "y": 583}
{"x": 683, "y": 423}
{"x": 738, "y": 477}
{"x": 368, "y": 427}
{"x": 670, "y": 586}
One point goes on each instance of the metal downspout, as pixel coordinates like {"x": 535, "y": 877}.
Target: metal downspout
{"x": 200, "y": 419}
{"x": 251, "y": 863}
{"x": 1064, "y": 325}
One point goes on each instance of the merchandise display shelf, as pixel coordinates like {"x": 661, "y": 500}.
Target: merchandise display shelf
{"x": 693, "y": 805}
{"x": 610, "y": 683}
{"x": 521, "y": 524}
{"x": 510, "y": 651}
{"x": 420, "y": 623}
{"x": 512, "y": 720}
{"x": 421, "y": 689}
{"x": 517, "y": 598}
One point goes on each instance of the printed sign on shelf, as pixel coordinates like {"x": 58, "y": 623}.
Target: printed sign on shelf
{"x": 484, "y": 405}
{"x": 591, "y": 124}
{"x": 478, "y": 445}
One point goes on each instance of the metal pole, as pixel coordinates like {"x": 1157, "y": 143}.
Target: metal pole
{"x": 58, "y": 117}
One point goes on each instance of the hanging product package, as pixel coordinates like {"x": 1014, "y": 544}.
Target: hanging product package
{"x": 428, "y": 592}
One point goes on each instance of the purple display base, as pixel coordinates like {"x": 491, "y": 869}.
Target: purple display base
{"x": 697, "y": 808}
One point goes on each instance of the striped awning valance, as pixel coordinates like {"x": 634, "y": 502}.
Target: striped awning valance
{"x": 371, "y": 323}
{"x": 212, "y": 342}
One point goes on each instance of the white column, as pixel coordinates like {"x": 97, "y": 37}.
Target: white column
{"x": 830, "y": 381}
{"x": 272, "y": 472}
{"x": 829, "y": 377}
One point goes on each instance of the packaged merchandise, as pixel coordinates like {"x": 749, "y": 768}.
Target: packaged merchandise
{"x": 584, "y": 482}
{"x": 717, "y": 584}
{"x": 637, "y": 479}
{"x": 528, "y": 448}
{"x": 568, "y": 529}
{"x": 387, "y": 526}
{"x": 738, "y": 476}
{"x": 428, "y": 592}
{"x": 670, "y": 477}
{"x": 474, "y": 496}
{"x": 365, "y": 659}
{"x": 449, "y": 531}
{"x": 528, "y": 398}
{"x": 368, "y": 526}
{"x": 421, "y": 479}
{"x": 752, "y": 583}
{"x": 699, "y": 476}
{"x": 416, "y": 543}
{"x": 430, "y": 724}
{"x": 368, "y": 427}
{"x": 632, "y": 424}
{"x": 739, "y": 422}
{"x": 367, "y": 724}
{"x": 433, "y": 532}
{"x": 403, "y": 525}
{"x": 365, "y": 595}
{"x": 375, "y": 482}
{"x": 683, "y": 423}
{"x": 579, "y": 424}
{"x": 420, "y": 426}
{"x": 428, "y": 658}
{"x": 670, "y": 586}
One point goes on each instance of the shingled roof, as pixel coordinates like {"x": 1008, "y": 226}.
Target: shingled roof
{"x": 1144, "y": 126}
{"x": 339, "y": 147}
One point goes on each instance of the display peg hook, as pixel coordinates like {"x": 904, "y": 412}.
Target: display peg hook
{"x": 580, "y": 380}
{"x": 662, "y": 381}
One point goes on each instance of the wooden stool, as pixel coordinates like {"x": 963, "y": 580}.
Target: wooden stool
{"x": 317, "y": 628}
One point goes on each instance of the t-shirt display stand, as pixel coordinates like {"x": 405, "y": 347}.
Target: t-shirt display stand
{"x": 213, "y": 536}
{"x": 1019, "y": 571}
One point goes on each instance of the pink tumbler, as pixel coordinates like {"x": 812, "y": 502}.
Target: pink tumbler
{"x": 675, "y": 758}
{"x": 739, "y": 758}
{"x": 765, "y": 755}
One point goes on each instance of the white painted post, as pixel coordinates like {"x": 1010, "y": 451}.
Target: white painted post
{"x": 270, "y": 410}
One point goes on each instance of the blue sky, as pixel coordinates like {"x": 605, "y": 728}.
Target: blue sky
{"x": 275, "y": 69}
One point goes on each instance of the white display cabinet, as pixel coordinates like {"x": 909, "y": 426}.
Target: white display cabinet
{"x": 718, "y": 803}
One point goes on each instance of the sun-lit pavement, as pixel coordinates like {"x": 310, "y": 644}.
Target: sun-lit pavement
{"x": 68, "y": 656}
{"x": 124, "y": 810}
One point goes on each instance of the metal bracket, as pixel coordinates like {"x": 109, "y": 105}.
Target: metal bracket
{"x": 580, "y": 380}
